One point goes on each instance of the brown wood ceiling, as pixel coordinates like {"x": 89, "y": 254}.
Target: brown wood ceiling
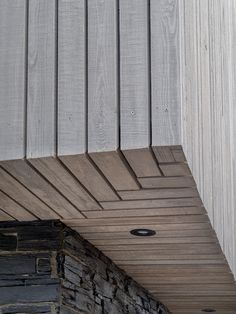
{"x": 105, "y": 195}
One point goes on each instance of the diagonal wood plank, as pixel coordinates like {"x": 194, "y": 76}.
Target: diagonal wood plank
{"x": 23, "y": 196}
{"x": 21, "y": 170}
{"x": 87, "y": 173}
{"x": 59, "y": 177}
{"x": 114, "y": 169}
{"x": 14, "y": 209}
{"x": 142, "y": 162}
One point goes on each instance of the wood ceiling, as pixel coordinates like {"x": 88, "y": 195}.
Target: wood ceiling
{"x": 105, "y": 195}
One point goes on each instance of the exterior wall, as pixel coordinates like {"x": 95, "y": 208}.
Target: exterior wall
{"x": 76, "y": 76}
{"x": 47, "y": 268}
{"x": 208, "y": 72}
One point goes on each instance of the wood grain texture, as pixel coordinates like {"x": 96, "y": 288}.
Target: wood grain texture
{"x": 86, "y": 172}
{"x": 166, "y": 182}
{"x": 34, "y": 182}
{"x": 69, "y": 187}
{"x": 134, "y": 76}
{"x": 152, "y": 203}
{"x": 207, "y": 81}
{"x": 148, "y": 212}
{"x": 158, "y": 193}
{"x": 142, "y": 162}
{"x": 115, "y": 170}
{"x": 166, "y": 124}
{"x": 102, "y": 76}
{"x": 14, "y": 209}
{"x": 175, "y": 170}
{"x": 10, "y": 186}
{"x": 12, "y": 79}
{"x": 71, "y": 77}
{"x": 4, "y": 216}
{"x": 41, "y": 79}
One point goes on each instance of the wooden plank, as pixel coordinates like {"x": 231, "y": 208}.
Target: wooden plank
{"x": 155, "y": 240}
{"x": 134, "y": 76}
{"x": 207, "y": 302}
{"x": 10, "y": 186}
{"x": 153, "y": 256}
{"x": 63, "y": 181}
{"x": 178, "y": 202}
{"x": 175, "y": 248}
{"x": 169, "y": 154}
{"x": 142, "y": 162}
{"x": 174, "y": 170}
{"x": 87, "y": 173}
{"x": 71, "y": 77}
{"x": 197, "y": 279}
{"x": 115, "y": 170}
{"x": 34, "y": 182}
{"x": 184, "y": 235}
{"x": 41, "y": 79}
{"x": 102, "y": 76}
{"x": 14, "y": 209}
{"x": 4, "y": 216}
{"x": 173, "y": 262}
{"x": 166, "y": 124}
{"x": 127, "y": 228}
{"x": 138, "y": 220}
{"x": 12, "y": 80}
{"x": 158, "y": 193}
{"x": 167, "y": 182}
{"x": 178, "y": 271}
{"x": 148, "y": 212}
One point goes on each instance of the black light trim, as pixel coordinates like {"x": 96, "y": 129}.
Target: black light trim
{"x": 143, "y": 232}
{"x": 209, "y": 310}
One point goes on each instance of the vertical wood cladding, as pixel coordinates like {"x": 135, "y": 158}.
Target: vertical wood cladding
{"x": 48, "y": 268}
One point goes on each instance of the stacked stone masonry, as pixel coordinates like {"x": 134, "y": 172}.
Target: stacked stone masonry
{"x": 46, "y": 267}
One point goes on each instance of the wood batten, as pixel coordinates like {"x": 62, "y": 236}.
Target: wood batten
{"x": 85, "y": 170}
{"x": 41, "y": 101}
{"x": 12, "y": 80}
{"x": 152, "y": 203}
{"x": 63, "y": 181}
{"x": 134, "y": 74}
{"x": 23, "y": 196}
{"x": 114, "y": 168}
{"x": 71, "y": 137}
{"x": 148, "y": 212}
{"x": 142, "y": 162}
{"x": 14, "y": 209}
{"x": 166, "y": 182}
{"x": 34, "y": 182}
{"x": 165, "y": 76}
{"x": 102, "y": 75}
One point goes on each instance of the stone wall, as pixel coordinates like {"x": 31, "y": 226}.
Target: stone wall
{"x": 47, "y": 268}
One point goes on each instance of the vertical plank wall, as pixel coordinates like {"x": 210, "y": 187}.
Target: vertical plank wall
{"x": 208, "y": 34}
{"x": 77, "y": 76}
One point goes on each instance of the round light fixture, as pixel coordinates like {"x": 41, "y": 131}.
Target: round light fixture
{"x": 209, "y": 310}
{"x": 143, "y": 232}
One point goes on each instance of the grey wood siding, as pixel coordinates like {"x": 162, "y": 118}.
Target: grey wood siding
{"x": 71, "y": 77}
{"x": 76, "y": 76}
{"x": 134, "y": 74}
{"x": 165, "y": 80}
{"x": 41, "y": 93}
{"x": 208, "y": 33}
{"x": 102, "y": 76}
{"x": 12, "y": 78}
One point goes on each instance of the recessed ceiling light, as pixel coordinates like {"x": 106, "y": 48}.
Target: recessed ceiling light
{"x": 143, "y": 232}
{"x": 209, "y": 310}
